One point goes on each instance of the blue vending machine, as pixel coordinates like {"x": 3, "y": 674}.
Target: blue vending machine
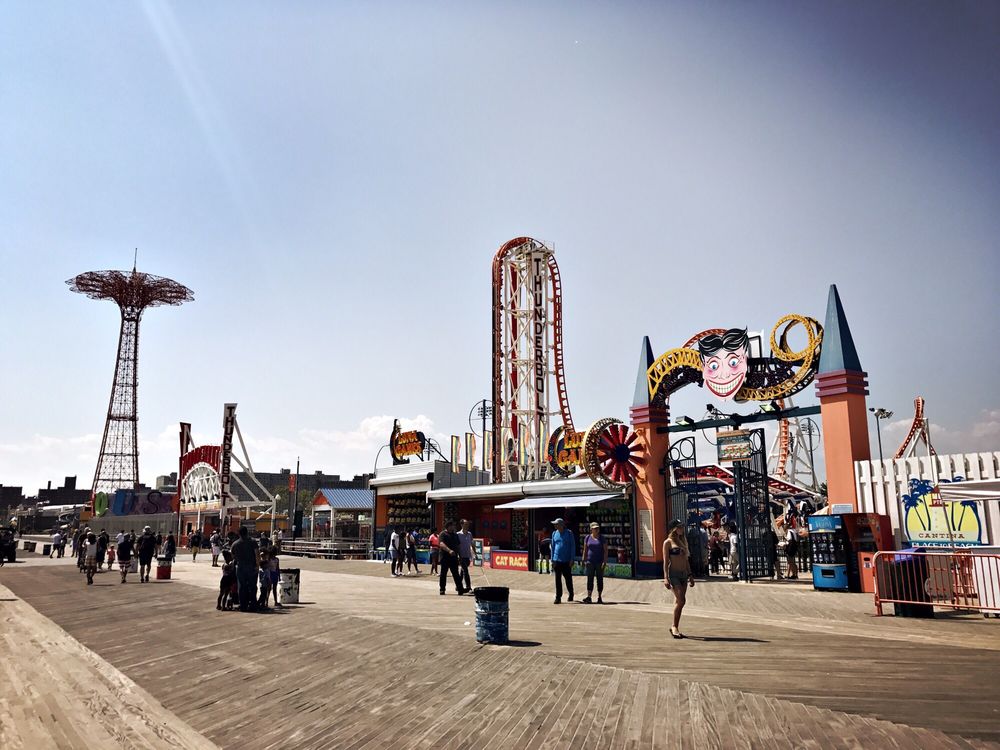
{"x": 829, "y": 548}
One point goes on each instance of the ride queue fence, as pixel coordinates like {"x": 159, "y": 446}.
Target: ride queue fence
{"x": 953, "y": 579}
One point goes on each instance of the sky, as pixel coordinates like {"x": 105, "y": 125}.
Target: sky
{"x": 332, "y": 180}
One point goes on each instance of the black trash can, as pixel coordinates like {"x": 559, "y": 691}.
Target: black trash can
{"x": 911, "y": 576}
{"x": 492, "y": 610}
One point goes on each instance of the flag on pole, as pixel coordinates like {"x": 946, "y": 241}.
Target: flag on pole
{"x": 488, "y": 442}
{"x": 456, "y": 448}
{"x": 470, "y": 451}
{"x": 522, "y": 448}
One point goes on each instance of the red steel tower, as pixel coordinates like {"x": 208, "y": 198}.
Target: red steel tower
{"x": 118, "y": 463}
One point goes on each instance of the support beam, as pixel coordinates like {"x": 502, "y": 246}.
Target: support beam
{"x": 736, "y": 420}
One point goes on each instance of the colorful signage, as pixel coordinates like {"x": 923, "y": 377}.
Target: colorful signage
{"x": 470, "y": 451}
{"x": 456, "y": 450}
{"x": 129, "y": 503}
{"x": 733, "y": 445}
{"x": 506, "y": 560}
{"x": 728, "y": 365}
{"x": 477, "y": 552}
{"x": 565, "y": 451}
{"x": 228, "y": 425}
{"x": 929, "y": 522}
{"x": 405, "y": 444}
{"x": 724, "y": 361}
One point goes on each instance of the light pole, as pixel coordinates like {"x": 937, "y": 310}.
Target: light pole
{"x": 880, "y": 414}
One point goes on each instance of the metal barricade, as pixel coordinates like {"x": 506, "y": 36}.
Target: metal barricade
{"x": 920, "y": 580}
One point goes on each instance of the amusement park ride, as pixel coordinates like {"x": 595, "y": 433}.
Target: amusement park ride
{"x": 205, "y": 473}
{"x": 118, "y": 462}
{"x": 528, "y": 364}
{"x": 919, "y": 433}
{"x": 792, "y": 455}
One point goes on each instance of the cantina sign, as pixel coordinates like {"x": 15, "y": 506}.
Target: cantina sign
{"x": 404, "y": 444}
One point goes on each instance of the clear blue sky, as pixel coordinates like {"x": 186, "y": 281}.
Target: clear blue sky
{"x": 331, "y": 179}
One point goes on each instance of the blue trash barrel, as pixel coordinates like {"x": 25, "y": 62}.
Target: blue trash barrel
{"x": 492, "y": 614}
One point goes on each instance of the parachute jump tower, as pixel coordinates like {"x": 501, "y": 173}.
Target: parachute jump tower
{"x": 118, "y": 462}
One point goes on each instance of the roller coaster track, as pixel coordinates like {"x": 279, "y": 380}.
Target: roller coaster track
{"x": 918, "y": 431}
{"x": 784, "y": 445}
{"x": 557, "y": 344}
{"x": 499, "y": 408}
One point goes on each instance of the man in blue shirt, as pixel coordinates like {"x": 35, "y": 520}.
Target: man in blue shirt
{"x": 563, "y": 552}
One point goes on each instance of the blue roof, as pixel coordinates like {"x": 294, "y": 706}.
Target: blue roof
{"x": 350, "y": 499}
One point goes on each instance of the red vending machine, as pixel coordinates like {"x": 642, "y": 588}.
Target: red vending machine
{"x": 867, "y": 533}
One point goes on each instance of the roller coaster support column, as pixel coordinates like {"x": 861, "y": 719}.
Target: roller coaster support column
{"x": 842, "y": 388}
{"x": 650, "y": 486}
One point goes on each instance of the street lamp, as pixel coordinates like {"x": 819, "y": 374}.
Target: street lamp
{"x": 880, "y": 414}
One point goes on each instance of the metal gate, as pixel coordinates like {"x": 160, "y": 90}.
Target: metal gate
{"x": 753, "y": 516}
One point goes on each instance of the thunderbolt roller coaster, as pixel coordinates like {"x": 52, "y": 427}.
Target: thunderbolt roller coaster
{"x": 527, "y": 358}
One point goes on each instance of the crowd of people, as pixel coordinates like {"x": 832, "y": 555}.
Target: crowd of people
{"x": 130, "y": 552}
{"x": 251, "y": 568}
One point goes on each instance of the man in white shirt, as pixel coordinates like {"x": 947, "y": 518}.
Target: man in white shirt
{"x": 56, "y": 538}
{"x": 120, "y": 538}
{"x": 394, "y": 549}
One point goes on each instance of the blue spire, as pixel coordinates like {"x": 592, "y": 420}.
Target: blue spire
{"x": 838, "y": 344}
{"x": 646, "y": 359}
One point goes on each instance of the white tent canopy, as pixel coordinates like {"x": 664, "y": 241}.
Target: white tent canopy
{"x": 976, "y": 490}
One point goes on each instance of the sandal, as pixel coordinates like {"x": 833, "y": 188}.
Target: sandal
{"x": 675, "y": 633}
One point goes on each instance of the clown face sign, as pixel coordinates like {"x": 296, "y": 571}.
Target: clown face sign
{"x": 724, "y": 361}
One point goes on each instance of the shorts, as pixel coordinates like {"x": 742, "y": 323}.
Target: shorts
{"x": 679, "y": 579}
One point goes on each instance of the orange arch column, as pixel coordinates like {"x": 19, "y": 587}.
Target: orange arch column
{"x": 650, "y": 484}
{"x": 842, "y": 388}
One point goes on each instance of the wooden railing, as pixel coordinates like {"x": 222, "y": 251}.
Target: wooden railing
{"x": 351, "y": 549}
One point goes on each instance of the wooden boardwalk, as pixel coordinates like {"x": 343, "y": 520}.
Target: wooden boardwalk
{"x": 372, "y": 662}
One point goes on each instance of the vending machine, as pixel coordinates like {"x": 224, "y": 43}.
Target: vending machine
{"x": 867, "y": 533}
{"x": 830, "y": 552}
{"x": 844, "y": 547}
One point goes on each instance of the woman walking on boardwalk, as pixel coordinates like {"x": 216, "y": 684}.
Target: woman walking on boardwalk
{"x": 435, "y": 550}
{"x": 677, "y": 575}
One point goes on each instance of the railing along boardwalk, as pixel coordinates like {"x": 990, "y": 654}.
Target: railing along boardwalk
{"x": 340, "y": 549}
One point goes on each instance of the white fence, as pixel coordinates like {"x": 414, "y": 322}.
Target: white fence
{"x": 882, "y": 486}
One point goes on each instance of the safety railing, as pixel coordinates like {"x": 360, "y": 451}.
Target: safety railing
{"x": 340, "y": 548}
{"x": 960, "y": 579}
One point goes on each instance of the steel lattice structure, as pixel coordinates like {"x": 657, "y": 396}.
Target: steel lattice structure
{"x": 527, "y": 358}
{"x": 118, "y": 462}
{"x": 918, "y": 433}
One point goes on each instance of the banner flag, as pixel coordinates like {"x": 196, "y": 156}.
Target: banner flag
{"x": 470, "y": 451}
{"x": 456, "y": 448}
{"x": 488, "y": 439}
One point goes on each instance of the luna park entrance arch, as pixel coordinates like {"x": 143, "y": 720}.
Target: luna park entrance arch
{"x": 730, "y": 364}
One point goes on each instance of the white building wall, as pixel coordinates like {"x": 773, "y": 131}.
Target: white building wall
{"x": 881, "y": 485}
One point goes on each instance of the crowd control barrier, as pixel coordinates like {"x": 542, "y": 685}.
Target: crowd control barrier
{"x": 916, "y": 581}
